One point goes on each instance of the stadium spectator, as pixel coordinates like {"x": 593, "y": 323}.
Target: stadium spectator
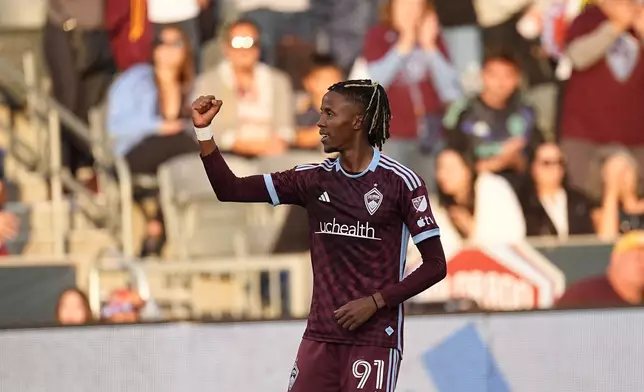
{"x": 73, "y": 308}
{"x": 324, "y": 73}
{"x": 516, "y": 25}
{"x": 181, "y": 14}
{"x": 617, "y": 193}
{"x": 602, "y": 103}
{"x": 405, "y": 54}
{"x": 550, "y": 206}
{"x": 279, "y": 21}
{"x": 259, "y": 117}
{"x": 477, "y": 207}
{"x": 497, "y": 126}
{"x": 463, "y": 39}
{"x": 77, "y": 53}
{"x": 130, "y": 32}
{"x": 123, "y": 306}
{"x": 149, "y": 127}
{"x": 341, "y": 26}
{"x": 9, "y": 228}
{"x": 209, "y": 18}
{"x": 623, "y": 283}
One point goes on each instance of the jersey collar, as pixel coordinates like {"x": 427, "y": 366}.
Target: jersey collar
{"x": 372, "y": 166}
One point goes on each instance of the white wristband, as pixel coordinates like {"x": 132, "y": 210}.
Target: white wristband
{"x": 203, "y": 134}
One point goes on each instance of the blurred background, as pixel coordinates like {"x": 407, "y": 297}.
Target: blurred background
{"x": 524, "y": 117}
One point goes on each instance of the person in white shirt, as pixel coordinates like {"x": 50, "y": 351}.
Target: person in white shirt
{"x": 474, "y": 207}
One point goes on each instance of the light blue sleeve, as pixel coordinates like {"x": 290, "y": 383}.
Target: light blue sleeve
{"x": 444, "y": 76}
{"x": 384, "y": 70}
{"x": 132, "y": 110}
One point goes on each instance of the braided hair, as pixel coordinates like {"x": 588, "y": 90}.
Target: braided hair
{"x": 373, "y": 98}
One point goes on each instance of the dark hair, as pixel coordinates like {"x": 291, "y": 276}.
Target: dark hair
{"x": 243, "y": 21}
{"x": 445, "y": 200}
{"x": 502, "y": 54}
{"x": 321, "y": 61}
{"x": 187, "y": 71}
{"x": 373, "y": 98}
{"x": 527, "y": 186}
{"x": 86, "y": 307}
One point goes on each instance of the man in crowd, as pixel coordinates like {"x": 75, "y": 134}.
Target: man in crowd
{"x": 324, "y": 73}
{"x": 602, "y": 102}
{"x": 496, "y": 126}
{"x": 258, "y": 120}
{"x": 623, "y": 283}
{"x": 78, "y": 57}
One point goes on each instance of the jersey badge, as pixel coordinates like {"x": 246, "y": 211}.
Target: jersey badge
{"x": 372, "y": 200}
{"x": 294, "y": 373}
{"x": 420, "y": 203}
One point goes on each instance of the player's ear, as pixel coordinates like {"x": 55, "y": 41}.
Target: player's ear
{"x": 358, "y": 122}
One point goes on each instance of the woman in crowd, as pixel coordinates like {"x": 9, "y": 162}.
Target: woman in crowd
{"x": 618, "y": 193}
{"x": 73, "y": 308}
{"x": 147, "y": 112}
{"x": 550, "y": 206}
{"x": 405, "y": 54}
{"x": 477, "y": 207}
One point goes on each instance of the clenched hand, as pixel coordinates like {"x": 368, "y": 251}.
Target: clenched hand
{"x": 204, "y": 110}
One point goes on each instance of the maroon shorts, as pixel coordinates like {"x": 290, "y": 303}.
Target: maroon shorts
{"x": 332, "y": 367}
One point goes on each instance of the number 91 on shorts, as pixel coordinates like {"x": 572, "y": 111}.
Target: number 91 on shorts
{"x": 331, "y": 367}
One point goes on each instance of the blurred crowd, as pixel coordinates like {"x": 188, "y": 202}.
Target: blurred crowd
{"x": 122, "y": 306}
{"x": 523, "y": 116}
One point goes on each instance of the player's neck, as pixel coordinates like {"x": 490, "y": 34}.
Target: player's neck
{"x": 357, "y": 159}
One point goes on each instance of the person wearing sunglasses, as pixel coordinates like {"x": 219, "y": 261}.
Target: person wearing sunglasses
{"x": 259, "y": 117}
{"x": 146, "y": 118}
{"x": 550, "y": 206}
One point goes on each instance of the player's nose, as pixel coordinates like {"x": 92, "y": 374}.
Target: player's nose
{"x": 321, "y": 124}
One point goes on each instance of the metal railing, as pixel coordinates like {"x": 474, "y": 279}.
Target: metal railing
{"x": 113, "y": 208}
{"x": 246, "y": 300}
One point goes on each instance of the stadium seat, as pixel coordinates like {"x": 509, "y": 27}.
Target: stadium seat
{"x": 197, "y": 224}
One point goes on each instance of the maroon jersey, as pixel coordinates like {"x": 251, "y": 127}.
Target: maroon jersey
{"x": 360, "y": 225}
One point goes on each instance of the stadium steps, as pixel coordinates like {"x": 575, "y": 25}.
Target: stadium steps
{"x": 33, "y": 195}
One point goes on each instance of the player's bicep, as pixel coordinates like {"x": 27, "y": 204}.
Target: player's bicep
{"x": 288, "y": 187}
{"x": 417, "y": 211}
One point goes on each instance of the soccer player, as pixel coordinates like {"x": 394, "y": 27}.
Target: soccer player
{"x": 362, "y": 207}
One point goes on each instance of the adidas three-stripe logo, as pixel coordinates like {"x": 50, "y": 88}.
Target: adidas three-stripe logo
{"x": 324, "y": 197}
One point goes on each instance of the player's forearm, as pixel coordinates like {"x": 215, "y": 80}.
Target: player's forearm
{"x": 208, "y": 147}
{"x": 431, "y": 271}
{"x": 227, "y": 186}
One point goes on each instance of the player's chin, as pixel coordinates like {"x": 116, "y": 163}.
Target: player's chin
{"x": 329, "y": 149}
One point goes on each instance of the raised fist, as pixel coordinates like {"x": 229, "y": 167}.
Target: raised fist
{"x": 204, "y": 110}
